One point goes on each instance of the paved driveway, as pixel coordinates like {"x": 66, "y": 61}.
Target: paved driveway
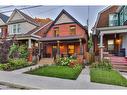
{"x": 41, "y": 82}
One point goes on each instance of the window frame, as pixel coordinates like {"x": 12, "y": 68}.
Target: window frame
{"x": 113, "y": 21}
{"x": 56, "y": 31}
{"x": 70, "y": 30}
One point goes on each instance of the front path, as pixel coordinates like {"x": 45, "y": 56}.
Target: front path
{"x": 41, "y": 82}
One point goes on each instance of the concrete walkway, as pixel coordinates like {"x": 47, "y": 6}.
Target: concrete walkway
{"x": 40, "y": 82}
{"x": 20, "y": 71}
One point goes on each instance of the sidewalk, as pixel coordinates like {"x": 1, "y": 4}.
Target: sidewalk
{"x": 41, "y": 82}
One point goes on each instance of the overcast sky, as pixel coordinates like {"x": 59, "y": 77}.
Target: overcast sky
{"x": 78, "y": 12}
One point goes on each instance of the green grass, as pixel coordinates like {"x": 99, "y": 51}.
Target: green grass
{"x": 64, "y": 72}
{"x": 107, "y": 77}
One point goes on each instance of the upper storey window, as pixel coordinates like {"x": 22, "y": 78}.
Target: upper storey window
{"x": 16, "y": 29}
{"x": 56, "y": 31}
{"x": 123, "y": 15}
{"x": 72, "y": 30}
{"x": 113, "y": 19}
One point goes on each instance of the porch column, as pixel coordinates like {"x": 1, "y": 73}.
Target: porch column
{"x": 101, "y": 45}
{"x": 30, "y": 50}
{"x": 39, "y": 47}
{"x": 58, "y": 48}
{"x": 81, "y": 47}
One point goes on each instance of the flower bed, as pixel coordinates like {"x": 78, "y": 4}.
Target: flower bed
{"x": 14, "y": 64}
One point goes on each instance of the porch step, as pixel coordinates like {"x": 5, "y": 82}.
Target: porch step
{"x": 120, "y": 67}
{"x": 46, "y": 61}
{"x": 122, "y": 70}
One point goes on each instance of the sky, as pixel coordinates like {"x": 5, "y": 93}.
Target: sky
{"x": 78, "y": 12}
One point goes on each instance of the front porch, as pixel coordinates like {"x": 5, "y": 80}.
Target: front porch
{"x": 31, "y": 43}
{"x": 62, "y": 47}
{"x": 113, "y": 40}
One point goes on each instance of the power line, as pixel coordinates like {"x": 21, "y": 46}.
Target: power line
{"x": 49, "y": 10}
{"x": 6, "y": 7}
{"x": 22, "y": 8}
{"x": 29, "y": 12}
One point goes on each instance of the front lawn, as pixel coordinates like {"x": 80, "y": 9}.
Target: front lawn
{"x": 64, "y": 72}
{"x": 107, "y": 77}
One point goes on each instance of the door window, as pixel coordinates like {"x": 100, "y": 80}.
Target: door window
{"x": 110, "y": 44}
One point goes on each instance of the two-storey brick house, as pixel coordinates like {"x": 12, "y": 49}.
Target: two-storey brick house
{"x": 65, "y": 37}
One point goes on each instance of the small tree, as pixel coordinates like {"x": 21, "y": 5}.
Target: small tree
{"x": 90, "y": 43}
{"x": 13, "y": 52}
{"x": 4, "y": 51}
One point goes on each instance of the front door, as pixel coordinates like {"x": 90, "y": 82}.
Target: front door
{"x": 111, "y": 46}
{"x": 54, "y": 51}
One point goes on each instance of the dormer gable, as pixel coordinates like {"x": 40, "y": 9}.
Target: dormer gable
{"x": 15, "y": 16}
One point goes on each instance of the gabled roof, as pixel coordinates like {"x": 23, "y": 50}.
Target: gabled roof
{"x": 102, "y": 18}
{"x": 65, "y": 12}
{"x": 41, "y": 31}
{"x": 3, "y": 17}
{"x": 26, "y": 17}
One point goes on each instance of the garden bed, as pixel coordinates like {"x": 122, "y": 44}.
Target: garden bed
{"x": 15, "y": 64}
{"x": 112, "y": 77}
{"x": 64, "y": 72}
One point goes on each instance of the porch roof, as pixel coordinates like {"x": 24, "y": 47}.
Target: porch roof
{"x": 23, "y": 37}
{"x": 113, "y": 30}
{"x": 62, "y": 38}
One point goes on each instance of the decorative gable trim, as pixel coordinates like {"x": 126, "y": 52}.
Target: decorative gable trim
{"x": 64, "y": 19}
{"x": 13, "y": 14}
{"x": 25, "y": 17}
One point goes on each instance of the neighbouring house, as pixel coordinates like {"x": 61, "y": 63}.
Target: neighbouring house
{"x": 110, "y": 31}
{"x": 22, "y": 27}
{"x": 64, "y": 37}
{"x": 3, "y": 26}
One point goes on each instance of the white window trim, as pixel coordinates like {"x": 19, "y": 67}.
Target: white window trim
{"x": 12, "y": 28}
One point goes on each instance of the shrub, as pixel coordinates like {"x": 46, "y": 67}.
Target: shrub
{"x": 13, "y": 52}
{"x": 14, "y": 64}
{"x": 104, "y": 64}
{"x": 23, "y": 51}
